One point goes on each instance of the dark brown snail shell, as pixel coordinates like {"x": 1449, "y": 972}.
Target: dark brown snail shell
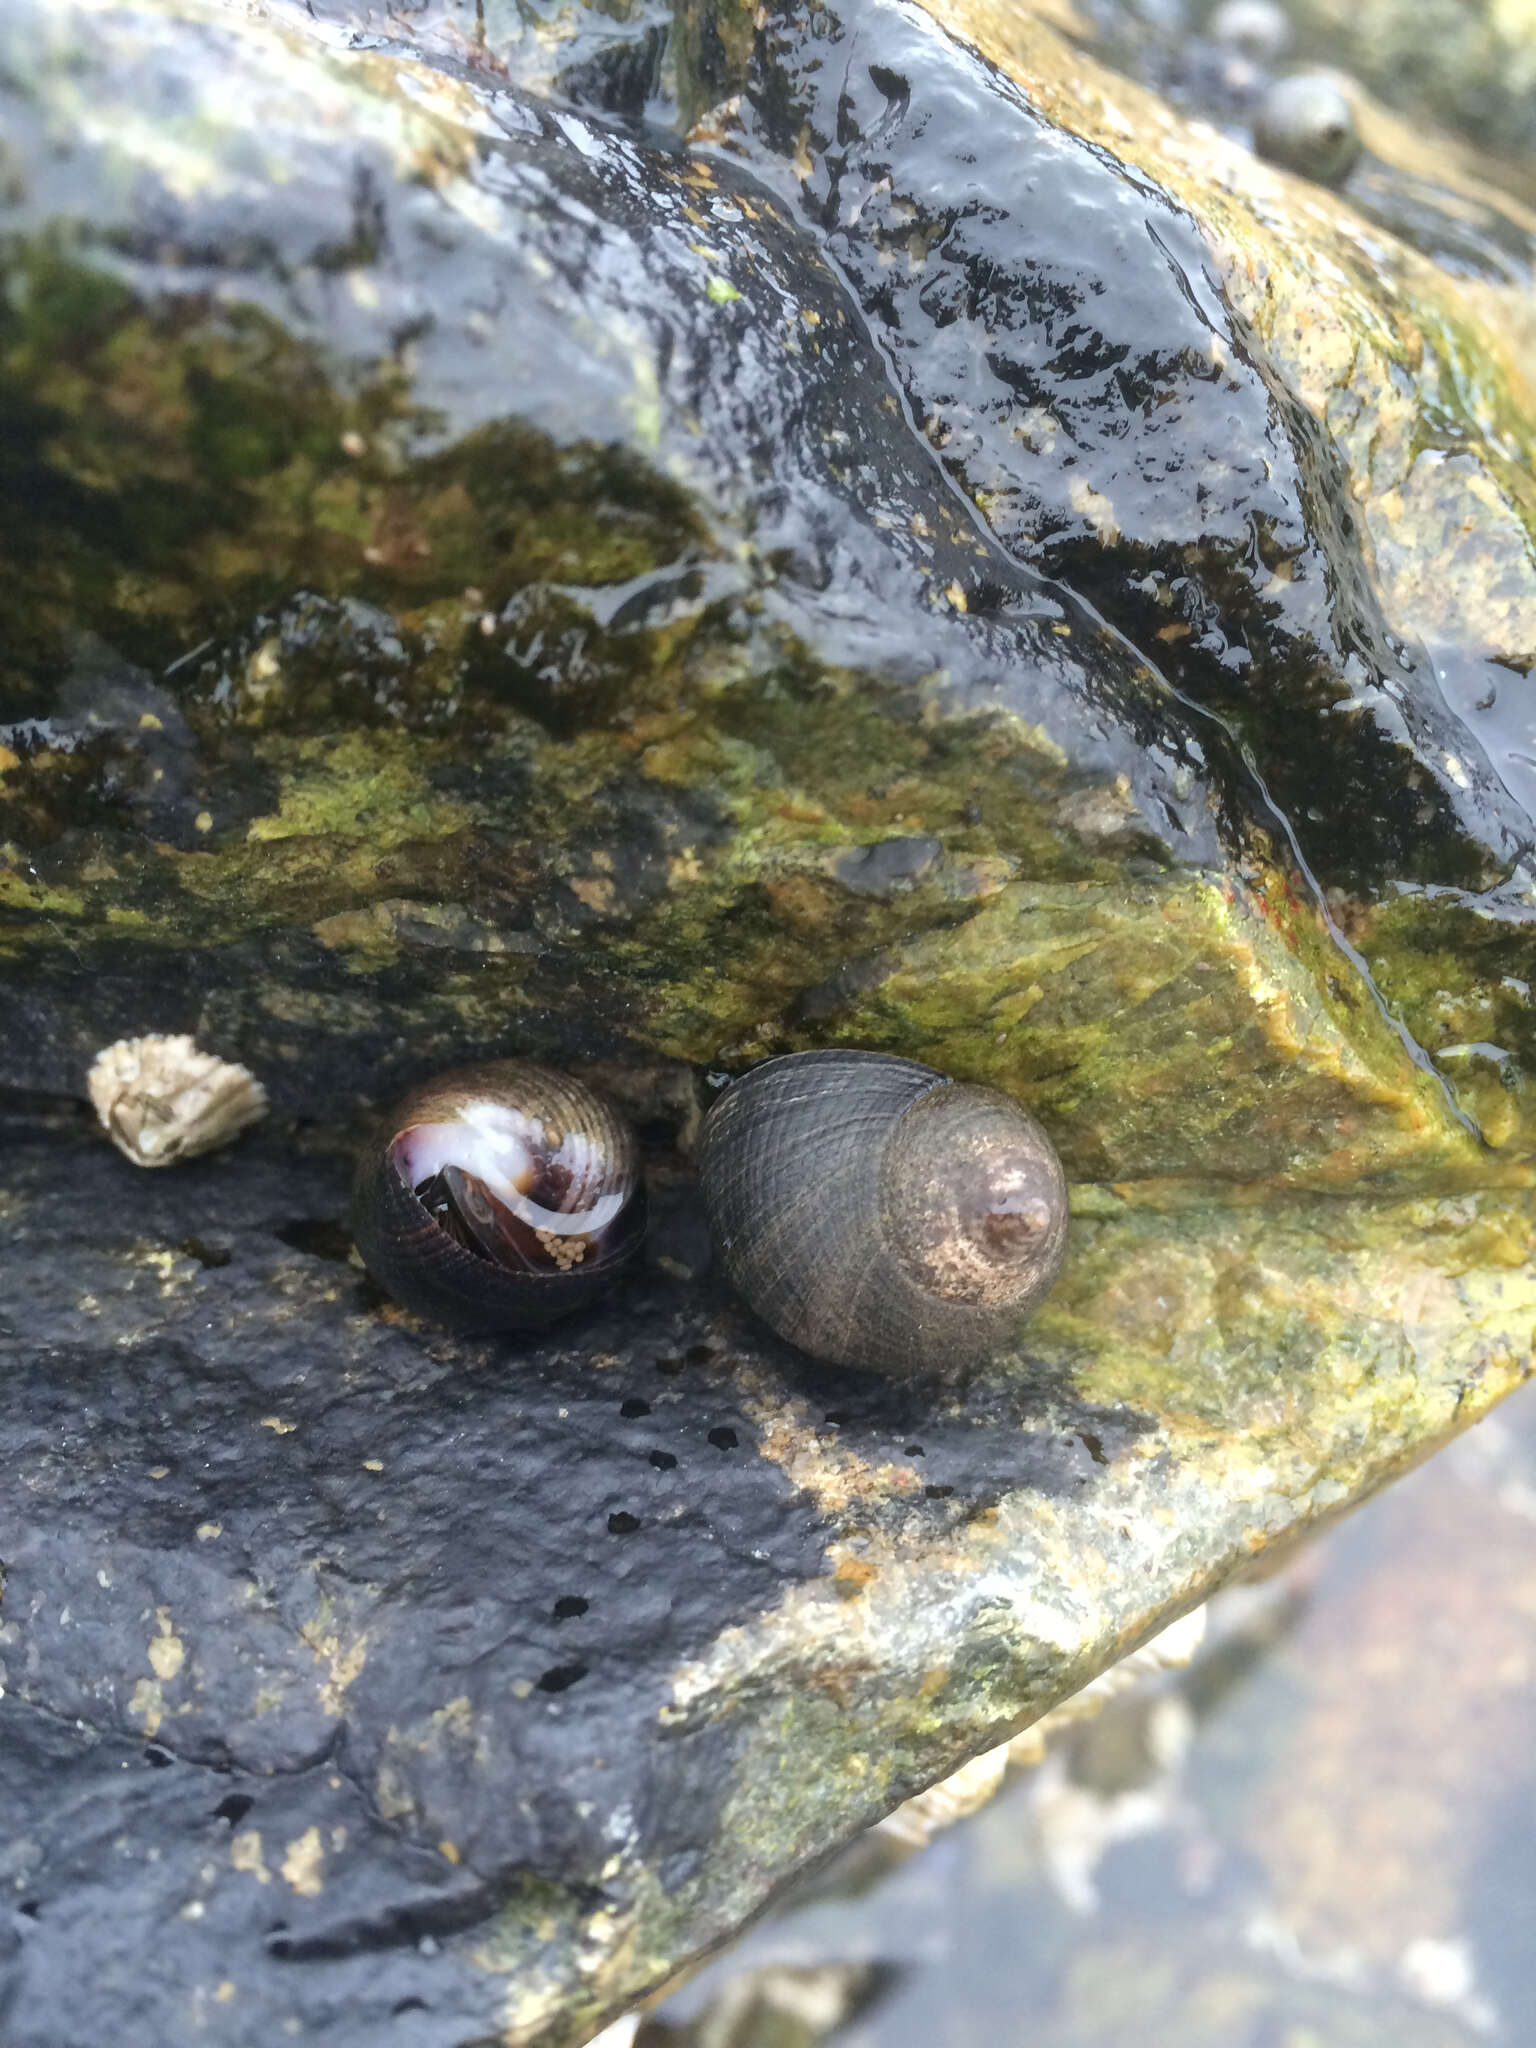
{"x": 877, "y": 1214}
{"x": 499, "y": 1197}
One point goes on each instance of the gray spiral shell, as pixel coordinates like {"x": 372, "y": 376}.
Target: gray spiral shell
{"x": 878, "y": 1214}
{"x": 1307, "y": 124}
{"x": 441, "y": 1242}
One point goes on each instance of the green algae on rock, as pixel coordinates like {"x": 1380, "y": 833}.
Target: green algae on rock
{"x": 572, "y": 534}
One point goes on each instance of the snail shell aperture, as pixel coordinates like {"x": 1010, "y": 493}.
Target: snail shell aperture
{"x": 499, "y": 1197}
{"x": 877, "y": 1214}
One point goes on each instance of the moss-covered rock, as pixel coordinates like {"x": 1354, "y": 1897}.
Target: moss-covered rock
{"x": 473, "y": 649}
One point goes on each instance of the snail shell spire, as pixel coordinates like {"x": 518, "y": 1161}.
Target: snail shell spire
{"x": 876, "y": 1213}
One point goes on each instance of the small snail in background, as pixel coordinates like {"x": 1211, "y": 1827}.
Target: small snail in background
{"x": 1257, "y": 29}
{"x": 877, "y": 1214}
{"x": 499, "y": 1197}
{"x": 1307, "y": 124}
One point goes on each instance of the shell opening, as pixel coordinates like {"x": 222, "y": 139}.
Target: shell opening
{"x": 508, "y": 1152}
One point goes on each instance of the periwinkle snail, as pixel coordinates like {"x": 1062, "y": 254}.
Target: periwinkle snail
{"x": 1256, "y": 29}
{"x": 877, "y": 1214}
{"x": 499, "y": 1197}
{"x": 1307, "y": 124}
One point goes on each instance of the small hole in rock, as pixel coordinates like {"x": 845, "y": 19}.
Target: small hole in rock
{"x": 205, "y": 1254}
{"x": 916, "y": 1451}
{"x": 663, "y": 1460}
{"x": 234, "y": 1808}
{"x": 320, "y": 1236}
{"x": 723, "y": 1439}
{"x": 699, "y": 1354}
{"x": 670, "y": 1366}
{"x": 623, "y": 1524}
{"x": 561, "y": 1677}
{"x": 30, "y": 1907}
{"x": 633, "y": 1409}
{"x": 568, "y": 1606}
{"x": 153, "y": 1754}
{"x": 937, "y": 1492}
{"x": 404, "y": 2005}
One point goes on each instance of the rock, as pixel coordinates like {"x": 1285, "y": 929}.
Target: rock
{"x": 349, "y": 1665}
{"x": 633, "y": 541}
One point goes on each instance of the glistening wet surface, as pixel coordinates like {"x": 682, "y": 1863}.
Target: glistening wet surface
{"x": 1318, "y": 1834}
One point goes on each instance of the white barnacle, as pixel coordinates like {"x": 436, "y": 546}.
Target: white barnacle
{"x": 160, "y": 1099}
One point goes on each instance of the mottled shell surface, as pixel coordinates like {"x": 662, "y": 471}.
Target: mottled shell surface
{"x": 877, "y": 1214}
{"x": 161, "y": 1100}
{"x": 499, "y": 1197}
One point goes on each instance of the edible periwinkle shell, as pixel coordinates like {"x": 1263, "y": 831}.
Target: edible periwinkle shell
{"x": 499, "y": 1197}
{"x": 876, "y": 1213}
{"x": 1307, "y": 124}
{"x": 1257, "y": 29}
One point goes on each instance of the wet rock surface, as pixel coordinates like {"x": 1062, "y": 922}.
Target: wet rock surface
{"x": 527, "y": 599}
{"x": 369, "y": 1683}
{"x": 315, "y": 1657}
{"x": 660, "y": 541}
{"x": 1320, "y": 1826}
